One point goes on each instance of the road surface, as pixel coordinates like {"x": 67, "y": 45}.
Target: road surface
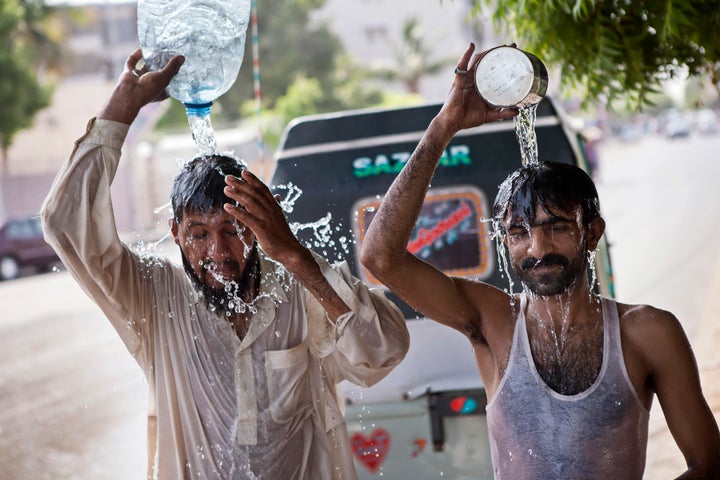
{"x": 661, "y": 200}
{"x": 72, "y": 400}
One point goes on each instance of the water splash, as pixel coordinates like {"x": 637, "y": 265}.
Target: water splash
{"x": 547, "y": 322}
{"x": 525, "y": 131}
{"x": 167, "y": 206}
{"x": 201, "y": 128}
{"x": 501, "y": 250}
{"x": 292, "y": 194}
{"x": 592, "y": 265}
{"x": 319, "y": 232}
{"x": 559, "y": 356}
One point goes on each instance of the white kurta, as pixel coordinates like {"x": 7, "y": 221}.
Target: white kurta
{"x": 220, "y": 408}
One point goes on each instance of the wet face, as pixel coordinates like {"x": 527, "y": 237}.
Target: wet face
{"x": 215, "y": 246}
{"x": 548, "y": 254}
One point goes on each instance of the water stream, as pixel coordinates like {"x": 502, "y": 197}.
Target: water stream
{"x": 201, "y": 128}
{"x": 525, "y": 131}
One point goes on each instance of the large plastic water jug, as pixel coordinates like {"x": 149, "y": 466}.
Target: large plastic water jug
{"x": 210, "y": 34}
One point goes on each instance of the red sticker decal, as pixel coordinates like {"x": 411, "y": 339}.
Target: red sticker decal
{"x": 371, "y": 451}
{"x": 420, "y": 446}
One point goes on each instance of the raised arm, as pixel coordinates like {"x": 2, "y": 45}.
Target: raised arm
{"x": 259, "y": 210}
{"x": 77, "y": 213}
{"x": 384, "y": 250}
{"x": 367, "y": 334}
{"x": 675, "y": 379}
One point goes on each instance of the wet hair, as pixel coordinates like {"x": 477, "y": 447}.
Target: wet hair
{"x": 198, "y": 186}
{"x": 553, "y": 186}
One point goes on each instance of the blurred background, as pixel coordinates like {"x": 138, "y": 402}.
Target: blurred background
{"x": 72, "y": 401}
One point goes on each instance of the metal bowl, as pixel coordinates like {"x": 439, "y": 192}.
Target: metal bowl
{"x": 510, "y": 77}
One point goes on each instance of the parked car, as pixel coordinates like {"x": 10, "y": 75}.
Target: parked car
{"x": 426, "y": 419}
{"x": 676, "y": 124}
{"x": 22, "y": 247}
{"x": 706, "y": 122}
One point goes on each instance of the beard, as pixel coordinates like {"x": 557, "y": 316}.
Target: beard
{"x": 553, "y": 282}
{"x": 237, "y": 292}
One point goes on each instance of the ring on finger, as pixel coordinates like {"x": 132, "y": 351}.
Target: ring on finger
{"x": 460, "y": 71}
{"x": 140, "y": 68}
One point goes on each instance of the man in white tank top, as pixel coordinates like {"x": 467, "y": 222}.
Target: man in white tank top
{"x": 570, "y": 376}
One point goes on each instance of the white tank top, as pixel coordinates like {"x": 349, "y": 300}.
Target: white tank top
{"x": 537, "y": 433}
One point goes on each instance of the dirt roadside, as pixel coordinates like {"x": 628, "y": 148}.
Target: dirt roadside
{"x": 664, "y": 459}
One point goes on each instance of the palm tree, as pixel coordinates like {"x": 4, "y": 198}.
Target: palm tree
{"x": 411, "y": 59}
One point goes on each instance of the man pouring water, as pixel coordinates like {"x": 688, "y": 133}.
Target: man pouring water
{"x": 570, "y": 375}
{"x": 244, "y": 344}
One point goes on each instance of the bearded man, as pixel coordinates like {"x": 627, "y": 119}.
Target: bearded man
{"x": 242, "y": 346}
{"x": 570, "y": 376}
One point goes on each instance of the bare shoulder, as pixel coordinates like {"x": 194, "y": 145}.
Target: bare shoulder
{"x": 651, "y": 330}
{"x": 646, "y": 319}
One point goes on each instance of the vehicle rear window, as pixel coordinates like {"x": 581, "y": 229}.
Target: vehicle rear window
{"x": 23, "y": 229}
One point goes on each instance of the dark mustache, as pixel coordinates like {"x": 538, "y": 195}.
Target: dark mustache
{"x": 547, "y": 260}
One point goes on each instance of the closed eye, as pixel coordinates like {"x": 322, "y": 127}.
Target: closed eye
{"x": 559, "y": 227}
{"x": 517, "y": 233}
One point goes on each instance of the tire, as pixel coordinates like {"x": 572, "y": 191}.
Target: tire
{"x": 9, "y": 268}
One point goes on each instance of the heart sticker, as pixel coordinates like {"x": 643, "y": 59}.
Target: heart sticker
{"x": 371, "y": 451}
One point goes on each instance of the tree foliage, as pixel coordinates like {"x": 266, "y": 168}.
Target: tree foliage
{"x": 23, "y": 47}
{"x": 411, "y": 58}
{"x": 290, "y": 46}
{"x": 616, "y": 49}
{"x": 306, "y": 96}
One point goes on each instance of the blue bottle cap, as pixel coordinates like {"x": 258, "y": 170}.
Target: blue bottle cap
{"x": 198, "y": 109}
